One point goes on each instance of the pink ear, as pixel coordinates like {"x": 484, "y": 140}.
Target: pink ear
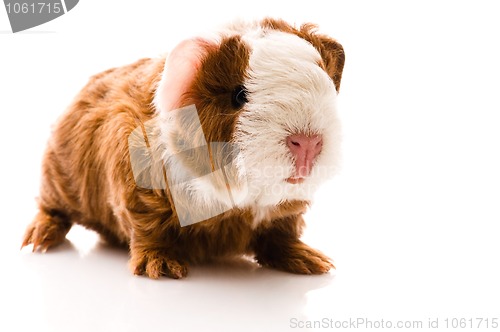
{"x": 178, "y": 74}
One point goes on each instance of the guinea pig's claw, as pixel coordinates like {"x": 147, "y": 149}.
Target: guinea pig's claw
{"x": 46, "y": 231}
{"x": 155, "y": 265}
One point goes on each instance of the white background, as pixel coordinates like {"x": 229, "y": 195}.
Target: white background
{"x": 412, "y": 220}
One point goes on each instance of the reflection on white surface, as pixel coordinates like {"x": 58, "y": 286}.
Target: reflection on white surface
{"x": 86, "y": 285}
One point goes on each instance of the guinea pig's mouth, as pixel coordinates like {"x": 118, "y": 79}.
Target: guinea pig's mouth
{"x": 295, "y": 180}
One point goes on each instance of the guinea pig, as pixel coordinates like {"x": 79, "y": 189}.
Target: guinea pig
{"x": 213, "y": 150}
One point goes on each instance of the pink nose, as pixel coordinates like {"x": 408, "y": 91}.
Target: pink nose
{"x": 305, "y": 149}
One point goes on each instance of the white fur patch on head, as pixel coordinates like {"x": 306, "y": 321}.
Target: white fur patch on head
{"x": 288, "y": 93}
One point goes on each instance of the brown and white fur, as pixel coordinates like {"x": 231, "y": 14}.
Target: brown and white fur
{"x": 291, "y": 77}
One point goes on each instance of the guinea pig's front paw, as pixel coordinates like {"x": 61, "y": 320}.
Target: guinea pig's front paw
{"x": 154, "y": 264}
{"x": 296, "y": 257}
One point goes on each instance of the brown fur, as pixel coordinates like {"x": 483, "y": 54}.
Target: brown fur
{"x": 87, "y": 177}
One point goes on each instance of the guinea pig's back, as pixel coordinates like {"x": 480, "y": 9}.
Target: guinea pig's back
{"x": 86, "y": 170}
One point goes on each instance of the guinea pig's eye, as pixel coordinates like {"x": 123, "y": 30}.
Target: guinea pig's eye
{"x": 239, "y": 96}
